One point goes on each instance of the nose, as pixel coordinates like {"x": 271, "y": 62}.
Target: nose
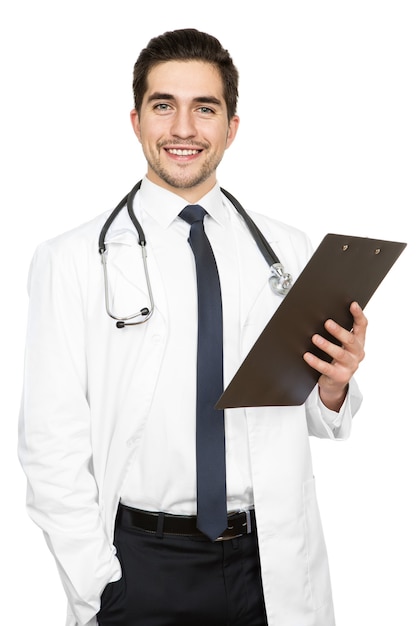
{"x": 183, "y": 124}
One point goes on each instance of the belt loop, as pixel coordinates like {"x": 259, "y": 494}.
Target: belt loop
{"x": 248, "y": 522}
{"x": 160, "y": 525}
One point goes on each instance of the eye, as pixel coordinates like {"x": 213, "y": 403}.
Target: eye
{"x": 162, "y": 106}
{"x": 205, "y": 110}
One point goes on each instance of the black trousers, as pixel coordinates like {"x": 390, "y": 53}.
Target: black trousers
{"x": 184, "y": 581}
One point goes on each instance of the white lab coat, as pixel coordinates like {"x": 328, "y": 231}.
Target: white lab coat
{"x": 87, "y": 392}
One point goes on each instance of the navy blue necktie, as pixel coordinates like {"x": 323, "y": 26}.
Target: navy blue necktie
{"x": 210, "y": 444}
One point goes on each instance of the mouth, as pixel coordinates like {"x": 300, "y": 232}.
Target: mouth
{"x": 183, "y": 151}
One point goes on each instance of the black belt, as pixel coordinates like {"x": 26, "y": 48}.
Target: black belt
{"x": 238, "y": 524}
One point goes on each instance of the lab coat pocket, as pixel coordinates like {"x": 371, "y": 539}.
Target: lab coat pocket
{"x": 318, "y": 569}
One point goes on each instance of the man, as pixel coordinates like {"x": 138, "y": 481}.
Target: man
{"x": 108, "y": 422}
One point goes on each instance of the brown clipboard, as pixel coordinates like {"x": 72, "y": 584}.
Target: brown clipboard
{"x": 343, "y": 269}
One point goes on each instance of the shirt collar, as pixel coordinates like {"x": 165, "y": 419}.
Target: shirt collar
{"x": 164, "y": 206}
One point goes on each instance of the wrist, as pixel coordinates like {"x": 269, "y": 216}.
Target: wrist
{"x": 333, "y": 398}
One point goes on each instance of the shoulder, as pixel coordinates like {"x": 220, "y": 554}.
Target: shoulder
{"x": 291, "y": 240}
{"x": 82, "y": 235}
{"x": 73, "y": 243}
{"x": 69, "y": 256}
{"x": 272, "y": 229}
{"x": 276, "y": 228}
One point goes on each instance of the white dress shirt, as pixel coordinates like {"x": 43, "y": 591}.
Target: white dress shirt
{"x": 163, "y": 475}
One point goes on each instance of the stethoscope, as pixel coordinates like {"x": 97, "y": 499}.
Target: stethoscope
{"x": 279, "y": 281}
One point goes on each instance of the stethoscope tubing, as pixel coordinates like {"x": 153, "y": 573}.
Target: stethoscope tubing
{"x": 280, "y": 282}
{"x": 263, "y": 245}
{"x": 126, "y": 201}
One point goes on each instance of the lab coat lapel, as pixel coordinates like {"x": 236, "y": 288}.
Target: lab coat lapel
{"x": 263, "y": 308}
{"x": 258, "y": 302}
{"x": 148, "y": 343}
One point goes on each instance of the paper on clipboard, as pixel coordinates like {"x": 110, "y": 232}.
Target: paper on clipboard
{"x": 343, "y": 269}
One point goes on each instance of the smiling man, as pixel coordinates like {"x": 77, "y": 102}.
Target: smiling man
{"x": 160, "y": 510}
{"x": 184, "y": 126}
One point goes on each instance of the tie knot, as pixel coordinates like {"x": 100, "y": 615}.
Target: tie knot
{"x": 193, "y": 213}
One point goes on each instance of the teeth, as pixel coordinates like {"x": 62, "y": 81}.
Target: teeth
{"x": 182, "y": 152}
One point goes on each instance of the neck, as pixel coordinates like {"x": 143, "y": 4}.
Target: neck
{"x": 190, "y": 194}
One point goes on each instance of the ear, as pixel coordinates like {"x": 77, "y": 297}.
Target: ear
{"x": 134, "y": 118}
{"x": 232, "y": 130}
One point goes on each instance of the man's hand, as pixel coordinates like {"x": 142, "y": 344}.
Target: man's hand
{"x": 335, "y": 376}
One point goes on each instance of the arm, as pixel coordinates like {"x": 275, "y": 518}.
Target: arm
{"x": 54, "y": 438}
{"x": 335, "y": 376}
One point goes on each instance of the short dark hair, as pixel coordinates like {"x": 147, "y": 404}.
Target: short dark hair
{"x": 186, "y": 44}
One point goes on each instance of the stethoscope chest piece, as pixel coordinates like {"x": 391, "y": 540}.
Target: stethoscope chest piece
{"x": 280, "y": 281}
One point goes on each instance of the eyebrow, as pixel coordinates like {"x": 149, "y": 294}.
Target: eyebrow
{"x": 198, "y": 100}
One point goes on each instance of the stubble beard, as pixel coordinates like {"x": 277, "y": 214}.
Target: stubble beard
{"x": 184, "y": 180}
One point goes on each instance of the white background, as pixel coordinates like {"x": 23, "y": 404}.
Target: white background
{"x": 328, "y": 142}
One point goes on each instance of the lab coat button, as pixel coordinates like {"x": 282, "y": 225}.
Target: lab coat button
{"x": 156, "y": 339}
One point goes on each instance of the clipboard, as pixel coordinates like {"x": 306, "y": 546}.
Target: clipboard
{"x": 343, "y": 269}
